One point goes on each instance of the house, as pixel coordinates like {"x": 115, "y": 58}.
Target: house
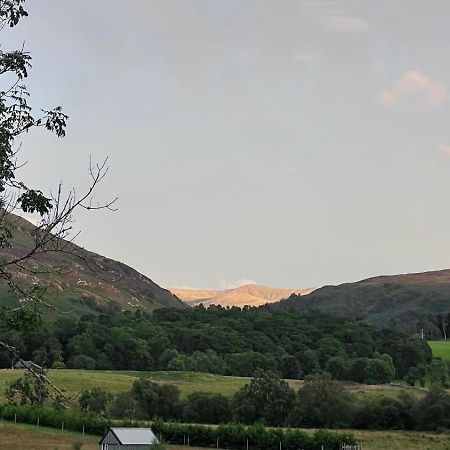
{"x": 128, "y": 439}
{"x": 21, "y": 364}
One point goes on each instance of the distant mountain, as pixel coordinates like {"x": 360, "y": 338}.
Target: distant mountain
{"x": 90, "y": 284}
{"x": 250, "y": 294}
{"x": 397, "y": 300}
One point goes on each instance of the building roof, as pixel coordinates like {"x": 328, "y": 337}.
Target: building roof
{"x": 21, "y": 364}
{"x": 134, "y": 435}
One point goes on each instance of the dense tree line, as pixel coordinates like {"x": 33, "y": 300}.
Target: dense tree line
{"x": 224, "y": 341}
{"x": 267, "y": 399}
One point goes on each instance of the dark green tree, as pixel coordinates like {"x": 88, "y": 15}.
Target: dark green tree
{"x": 437, "y": 373}
{"x": 322, "y": 402}
{"x": 267, "y": 398}
{"x": 338, "y": 367}
{"x": 95, "y": 400}
{"x": 290, "y": 368}
{"x": 156, "y": 401}
{"x": 310, "y": 362}
{"x": 124, "y": 406}
{"x": 433, "y": 411}
{"x": 379, "y": 370}
{"x": 205, "y": 407}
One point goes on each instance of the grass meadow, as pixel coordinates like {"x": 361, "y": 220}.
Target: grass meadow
{"x": 440, "y": 349}
{"x": 74, "y": 381}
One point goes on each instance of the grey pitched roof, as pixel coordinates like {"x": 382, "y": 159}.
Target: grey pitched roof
{"x": 21, "y": 364}
{"x": 135, "y": 435}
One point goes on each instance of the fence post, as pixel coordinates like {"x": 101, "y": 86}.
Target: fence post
{"x": 217, "y": 443}
{"x": 83, "y": 430}
{"x": 247, "y": 443}
{"x": 280, "y": 446}
{"x": 37, "y": 423}
{"x": 188, "y": 441}
{"x": 184, "y": 439}
{"x": 15, "y": 418}
{"x": 62, "y": 426}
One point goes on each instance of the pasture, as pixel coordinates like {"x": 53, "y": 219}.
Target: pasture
{"x": 74, "y": 381}
{"x": 440, "y": 349}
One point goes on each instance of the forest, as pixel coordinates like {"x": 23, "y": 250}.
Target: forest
{"x": 227, "y": 341}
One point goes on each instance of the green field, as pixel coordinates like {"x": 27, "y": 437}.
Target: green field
{"x": 74, "y": 381}
{"x": 29, "y": 437}
{"x": 441, "y": 349}
{"x": 401, "y": 440}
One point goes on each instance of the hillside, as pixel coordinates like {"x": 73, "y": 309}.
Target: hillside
{"x": 250, "y": 294}
{"x": 398, "y": 300}
{"x": 88, "y": 283}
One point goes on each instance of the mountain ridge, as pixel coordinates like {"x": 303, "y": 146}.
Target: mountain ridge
{"x": 248, "y": 294}
{"x": 401, "y": 300}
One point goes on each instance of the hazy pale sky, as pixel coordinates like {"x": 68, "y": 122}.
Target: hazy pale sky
{"x": 293, "y": 143}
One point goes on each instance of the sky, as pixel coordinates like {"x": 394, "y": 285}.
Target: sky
{"x": 284, "y": 142}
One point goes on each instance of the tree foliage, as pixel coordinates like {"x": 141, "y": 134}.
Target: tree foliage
{"x": 54, "y": 233}
{"x": 26, "y": 390}
{"x": 267, "y": 398}
{"x": 225, "y": 341}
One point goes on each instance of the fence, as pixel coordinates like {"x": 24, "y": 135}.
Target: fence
{"x": 248, "y": 446}
{"x": 228, "y": 436}
{"x": 350, "y": 447}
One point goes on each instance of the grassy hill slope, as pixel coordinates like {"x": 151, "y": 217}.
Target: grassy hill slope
{"x": 88, "y": 284}
{"x": 398, "y": 300}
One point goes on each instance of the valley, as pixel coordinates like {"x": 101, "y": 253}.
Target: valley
{"x": 303, "y": 144}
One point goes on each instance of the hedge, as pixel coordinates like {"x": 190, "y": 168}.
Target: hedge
{"x": 231, "y": 436}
